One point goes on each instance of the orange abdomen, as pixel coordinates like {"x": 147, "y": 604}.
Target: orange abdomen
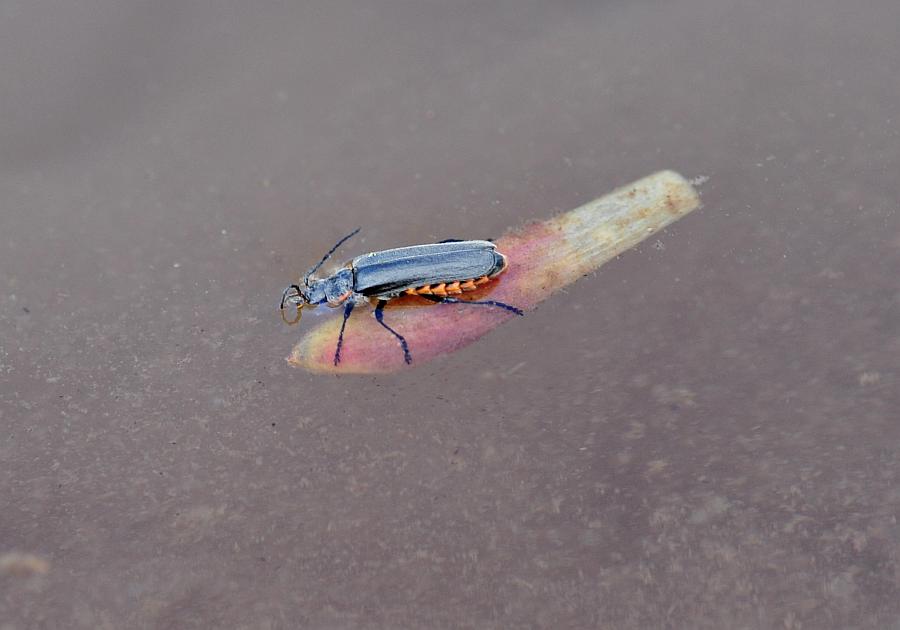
{"x": 444, "y": 289}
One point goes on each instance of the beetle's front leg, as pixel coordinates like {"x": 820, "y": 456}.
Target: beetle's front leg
{"x": 348, "y": 308}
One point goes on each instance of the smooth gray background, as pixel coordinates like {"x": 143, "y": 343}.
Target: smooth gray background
{"x": 703, "y": 435}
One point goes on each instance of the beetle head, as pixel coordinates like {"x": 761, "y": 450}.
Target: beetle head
{"x": 298, "y": 296}
{"x": 311, "y": 293}
{"x": 333, "y": 290}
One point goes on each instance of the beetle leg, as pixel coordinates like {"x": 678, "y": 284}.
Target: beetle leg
{"x": 348, "y": 308}
{"x": 379, "y": 315}
{"x": 451, "y": 300}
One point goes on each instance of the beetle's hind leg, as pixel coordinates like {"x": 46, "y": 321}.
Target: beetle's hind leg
{"x": 379, "y": 315}
{"x": 451, "y": 300}
{"x": 348, "y": 308}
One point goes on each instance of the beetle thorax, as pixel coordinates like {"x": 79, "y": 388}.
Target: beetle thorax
{"x": 333, "y": 289}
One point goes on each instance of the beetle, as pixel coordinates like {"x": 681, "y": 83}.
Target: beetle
{"x": 435, "y": 271}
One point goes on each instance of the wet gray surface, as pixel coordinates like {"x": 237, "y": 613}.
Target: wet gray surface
{"x": 703, "y": 435}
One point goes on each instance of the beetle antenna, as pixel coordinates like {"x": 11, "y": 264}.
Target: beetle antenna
{"x": 328, "y": 255}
